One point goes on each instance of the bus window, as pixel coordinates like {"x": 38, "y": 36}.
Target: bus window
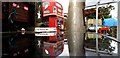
{"x": 58, "y": 5}
{"x": 60, "y": 21}
{"x": 54, "y": 9}
{"x": 46, "y": 4}
{"x": 47, "y": 11}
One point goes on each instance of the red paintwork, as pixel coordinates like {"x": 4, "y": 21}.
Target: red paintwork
{"x": 106, "y": 29}
{"x": 53, "y": 18}
{"x": 50, "y": 7}
{"x": 88, "y": 12}
{"x": 54, "y": 49}
{"x": 53, "y": 23}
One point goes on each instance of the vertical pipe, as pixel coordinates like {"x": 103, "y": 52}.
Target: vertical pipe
{"x": 97, "y": 29}
{"x": 75, "y": 28}
{"x": 118, "y": 29}
{"x": 1, "y": 30}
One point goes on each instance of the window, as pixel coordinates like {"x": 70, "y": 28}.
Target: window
{"x": 46, "y": 4}
{"x": 54, "y": 9}
{"x": 60, "y": 21}
{"x": 58, "y": 5}
{"x": 47, "y": 11}
{"x": 59, "y": 10}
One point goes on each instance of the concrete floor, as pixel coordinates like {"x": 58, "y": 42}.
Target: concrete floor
{"x": 88, "y": 53}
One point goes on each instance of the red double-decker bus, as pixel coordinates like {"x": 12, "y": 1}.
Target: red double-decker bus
{"x": 51, "y": 7}
{"x": 53, "y": 21}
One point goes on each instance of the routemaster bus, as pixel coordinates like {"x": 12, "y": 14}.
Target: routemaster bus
{"x": 53, "y": 21}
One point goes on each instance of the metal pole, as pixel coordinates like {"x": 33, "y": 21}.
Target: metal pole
{"x": 75, "y": 28}
{"x": 96, "y": 29}
{"x": 118, "y": 30}
{"x": 101, "y": 4}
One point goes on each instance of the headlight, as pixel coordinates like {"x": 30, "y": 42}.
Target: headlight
{"x": 47, "y": 11}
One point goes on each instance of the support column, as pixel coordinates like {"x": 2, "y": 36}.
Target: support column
{"x": 118, "y": 33}
{"x": 97, "y": 29}
{"x": 75, "y": 28}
